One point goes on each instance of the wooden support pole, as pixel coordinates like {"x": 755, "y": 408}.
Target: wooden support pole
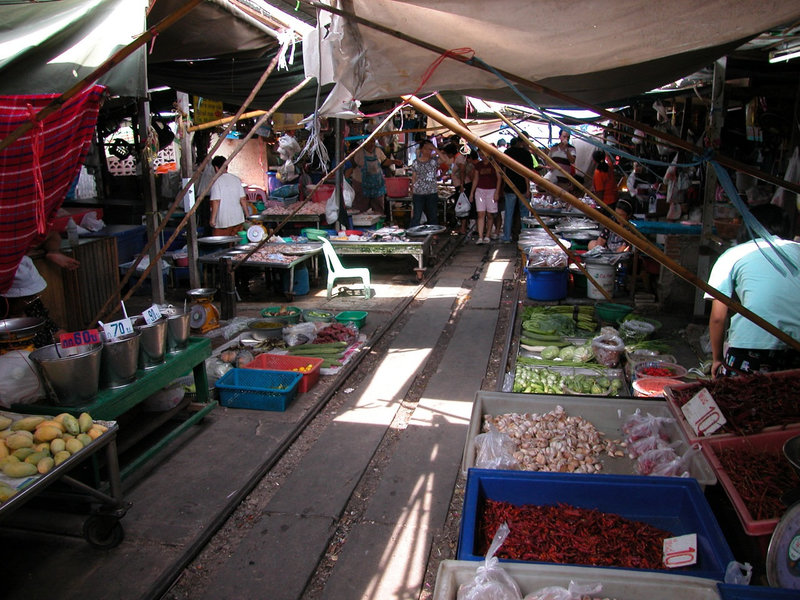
{"x": 644, "y": 245}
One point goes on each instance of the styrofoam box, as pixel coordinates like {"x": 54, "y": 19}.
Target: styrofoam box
{"x": 621, "y": 584}
{"x": 601, "y": 412}
{"x": 675, "y": 504}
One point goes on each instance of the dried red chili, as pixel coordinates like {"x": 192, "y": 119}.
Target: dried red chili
{"x": 657, "y": 371}
{"x": 570, "y": 535}
{"x": 750, "y": 402}
{"x": 760, "y": 478}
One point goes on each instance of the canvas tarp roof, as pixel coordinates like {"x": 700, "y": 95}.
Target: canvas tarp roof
{"x": 598, "y": 52}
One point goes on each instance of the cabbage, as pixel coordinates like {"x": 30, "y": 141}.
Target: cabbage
{"x": 566, "y": 353}
{"x": 583, "y": 354}
{"x": 550, "y": 352}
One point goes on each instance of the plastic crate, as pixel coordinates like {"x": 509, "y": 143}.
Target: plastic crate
{"x": 621, "y": 583}
{"x": 278, "y": 362}
{"x": 603, "y": 413}
{"x": 258, "y": 390}
{"x": 756, "y": 385}
{"x": 771, "y": 444}
{"x": 729, "y": 591}
{"x": 671, "y": 503}
{"x": 356, "y": 317}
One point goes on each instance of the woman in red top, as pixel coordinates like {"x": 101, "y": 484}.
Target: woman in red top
{"x": 486, "y": 188}
{"x": 603, "y": 182}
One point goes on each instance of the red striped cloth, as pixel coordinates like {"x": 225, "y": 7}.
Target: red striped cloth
{"x": 62, "y": 143}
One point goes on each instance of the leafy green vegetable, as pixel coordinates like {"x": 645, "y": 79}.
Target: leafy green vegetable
{"x": 550, "y": 352}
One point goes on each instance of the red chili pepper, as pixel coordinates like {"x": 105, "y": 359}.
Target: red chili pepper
{"x": 657, "y": 371}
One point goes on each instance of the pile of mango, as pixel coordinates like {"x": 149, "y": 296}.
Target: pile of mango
{"x": 34, "y": 445}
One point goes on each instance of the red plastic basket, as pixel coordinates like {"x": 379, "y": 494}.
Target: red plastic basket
{"x": 279, "y": 362}
{"x": 397, "y": 187}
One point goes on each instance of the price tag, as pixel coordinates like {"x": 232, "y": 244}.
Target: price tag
{"x": 680, "y": 551}
{"x": 79, "y": 338}
{"x": 117, "y": 329}
{"x": 152, "y": 314}
{"x": 703, "y": 414}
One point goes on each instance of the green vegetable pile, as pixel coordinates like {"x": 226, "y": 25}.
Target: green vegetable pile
{"x": 550, "y": 324}
{"x": 566, "y": 356}
{"x": 547, "y": 381}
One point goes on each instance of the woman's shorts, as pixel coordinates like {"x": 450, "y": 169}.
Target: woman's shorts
{"x": 484, "y": 200}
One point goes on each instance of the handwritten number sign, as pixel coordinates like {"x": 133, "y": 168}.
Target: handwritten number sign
{"x": 680, "y": 551}
{"x": 79, "y": 338}
{"x": 703, "y": 414}
{"x": 117, "y": 329}
{"x": 152, "y": 314}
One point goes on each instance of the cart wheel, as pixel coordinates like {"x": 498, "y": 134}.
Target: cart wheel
{"x": 103, "y": 532}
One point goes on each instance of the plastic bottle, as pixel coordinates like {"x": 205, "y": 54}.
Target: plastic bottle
{"x": 72, "y": 232}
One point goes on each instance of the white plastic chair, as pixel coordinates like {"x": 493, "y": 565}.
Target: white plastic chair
{"x": 337, "y": 271}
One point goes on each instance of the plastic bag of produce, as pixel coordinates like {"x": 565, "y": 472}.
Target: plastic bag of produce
{"x": 677, "y": 467}
{"x": 491, "y": 580}
{"x": 495, "y": 450}
{"x": 19, "y": 379}
{"x": 642, "y": 445}
{"x": 302, "y": 333}
{"x": 637, "y": 426}
{"x": 576, "y": 591}
{"x": 462, "y": 205}
{"x": 607, "y": 349}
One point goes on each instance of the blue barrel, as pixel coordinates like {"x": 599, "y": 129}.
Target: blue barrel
{"x": 547, "y": 284}
{"x": 301, "y": 284}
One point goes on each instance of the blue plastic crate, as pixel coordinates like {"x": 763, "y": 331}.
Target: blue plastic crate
{"x": 729, "y": 591}
{"x": 257, "y": 389}
{"x": 671, "y": 503}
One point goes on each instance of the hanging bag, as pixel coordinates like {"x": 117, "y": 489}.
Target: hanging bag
{"x": 332, "y": 209}
{"x": 348, "y": 194}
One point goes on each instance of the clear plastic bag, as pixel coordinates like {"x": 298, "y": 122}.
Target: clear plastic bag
{"x": 677, "y": 467}
{"x": 738, "y": 573}
{"x": 19, "y": 379}
{"x": 462, "y": 205}
{"x": 652, "y": 460}
{"x": 607, "y": 349}
{"x": 638, "y": 426}
{"x": 302, "y": 333}
{"x": 575, "y": 591}
{"x": 491, "y": 581}
{"x": 642, "y": 445}
{"x": 495, "y": 450}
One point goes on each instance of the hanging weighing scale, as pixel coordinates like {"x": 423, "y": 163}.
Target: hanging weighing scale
{"x": 18, "y": 333}
{"x": 203, "y": 314}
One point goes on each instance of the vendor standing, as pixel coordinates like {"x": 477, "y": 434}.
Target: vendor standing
{"x": 228, "y": 201}
{"x": 745, "y": 273}
{"x": 424, "y": 185}
{"x": 366, "y": 177}
{"x": 22, "y": 298}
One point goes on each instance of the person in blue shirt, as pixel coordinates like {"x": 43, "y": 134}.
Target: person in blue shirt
{"x": 745, "y": 274}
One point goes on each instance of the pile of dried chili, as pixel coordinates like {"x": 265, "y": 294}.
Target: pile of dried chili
{"x": 750, "y": 402}
{"x": 570, "y": 535}
{"x": 760, "y": 477}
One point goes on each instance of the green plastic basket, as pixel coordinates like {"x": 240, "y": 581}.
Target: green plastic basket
{"x": 316, "y": 315}
{"x": 356, "y": 317}
{"x": 314, "y": 234}
{"x": 292, "y": 318}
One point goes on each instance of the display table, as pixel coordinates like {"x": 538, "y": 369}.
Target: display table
{"x": 419, "y": 248}
{"x": 102, "y": 528}
{"x": 220, "y": 256}
{"x": 316, "y": 220}
{"x": 109, "y": 404}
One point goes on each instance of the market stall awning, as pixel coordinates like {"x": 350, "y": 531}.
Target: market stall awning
{"x": 597, "y": 52}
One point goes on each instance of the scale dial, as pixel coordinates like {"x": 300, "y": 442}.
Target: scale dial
{"x": 783, "y": 554}
{"x": 198, "y": 316}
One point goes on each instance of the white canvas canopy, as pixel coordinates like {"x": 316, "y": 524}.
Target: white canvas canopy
{"x": 598, "y": 52}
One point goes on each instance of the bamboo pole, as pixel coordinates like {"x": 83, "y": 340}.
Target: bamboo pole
{"x": 568, "y": 100}
{"x": 524, "y": 200}
{"x": 644, "y": 245}
{"x": 111, "y": 62}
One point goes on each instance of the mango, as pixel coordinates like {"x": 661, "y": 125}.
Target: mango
{"x": 18, "y": 440}
{"x": 21, "y": 469}
{"x": 23, "y": 453}
{"x": 74, "y": 445}
{"x": 102, "y": 428}
{"x": 57, "y": 445}
{"x": 60, "y": 457}
{"x": 5, "y": 433}
{"x": 85, "y": 422}
{"x": 60, "y": 418}
{"x": 26, "y": 423}
{"x": 94, "y": 433}
{"x": 6, "y": 492}
{"x": 3, "y": 449}
{"x": 35, "y": 457}
{"x": 71, "y": 424}
{"x": 42, "y": 447}
{"x": 44, "y": 465}
{"x": 84, "y": 438}
{"x": 52, "y": 423}
{"x": 46, "y": 434}
{"x": 5, "y": 421}
{"x": 67, "y": 436}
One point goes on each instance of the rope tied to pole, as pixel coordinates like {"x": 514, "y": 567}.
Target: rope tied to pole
{"x": 38, "y": 180}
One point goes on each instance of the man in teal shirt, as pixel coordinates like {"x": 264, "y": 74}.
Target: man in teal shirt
{"x": 745, "y": 274}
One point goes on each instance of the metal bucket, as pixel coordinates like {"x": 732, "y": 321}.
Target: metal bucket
{"x": 153, "y": 343}
{"x": 177, "y": 331}
{"x": 120, "y": 359}
{"x": 73, "y": 373}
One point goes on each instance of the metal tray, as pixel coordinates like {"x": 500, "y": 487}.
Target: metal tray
{"x": 218, "y": 240}
{"x": 424, "y": 230}
{"x": 603, "y": 414}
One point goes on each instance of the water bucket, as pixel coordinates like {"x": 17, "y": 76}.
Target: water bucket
{"x": 177, "y": 331}
{"x": 73, "y": 373}
{"x": 397, "y": 187}
{"x": 323, "y": 192}
{"x": 603, "y": 273}
{"x": 547, "y": 284}
{"x": 119, "y": 360}
{"x": 153, "y": 343}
